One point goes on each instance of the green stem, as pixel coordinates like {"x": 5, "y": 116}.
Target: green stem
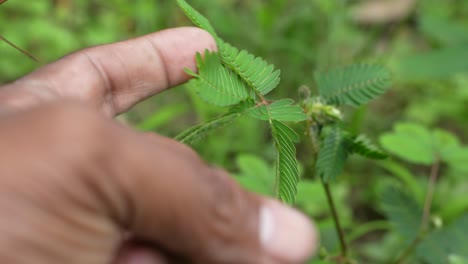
{"x": 18, "y": 48}
{"x": 426, "y": 213}
{"x": 409, "y": 250}
{"x": 336, "y": 220}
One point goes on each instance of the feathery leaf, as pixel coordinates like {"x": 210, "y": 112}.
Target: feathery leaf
{"x": 281, "y": 110}
{"x": 286, "y": 164}
{"x": 402, "y": 210}
{"x": 353, "y": 85}
{"x": 332, "y": 154}
{"x": 197, "y": 18}
{"x": 257, "y": 73}
{"x": 196, "y": 133}
{"x": 216, "y": 84}
{"x": 364, "y": 147}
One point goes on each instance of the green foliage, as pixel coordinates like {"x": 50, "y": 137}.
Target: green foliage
{"x": 410, "y": 142}
{"x": 332, "y": 155}
{"x": 255, "y": 174}
{"x": 286, "y": 163}
{"x": 446, "y": 245}
{"x": 216, "y": 84}
{"x": 236, "y": 76}
{"x": 402, "y": 210}
{"x": 197, "y": 18}
{"x": 281, "y": 110}
{"x": 263, "y": 78}
{"x": 420, "y": 145}
{"x": 426, "y": 54}
{"x": 196, "y": 133}
{"x": 363, "y": 146}
{"x": 353, "y": 85}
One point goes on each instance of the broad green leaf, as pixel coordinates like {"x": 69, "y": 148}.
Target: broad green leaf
{"x": 410, "y": 142}
{"x": 281, "y": 110}
{"x": 332, "y": 154}
{"x": 402, "y": 210}
{"x": 417, "y": 144}
{"x": 216, "y": 84}
{"x": 197, "y": 18}
{"x": 256, "y": 72}
{"x": 456, "y": 157}
{"x": 364, "y": 147}
{"x": 353, "y": 85}
{"x": 287, "y": 172}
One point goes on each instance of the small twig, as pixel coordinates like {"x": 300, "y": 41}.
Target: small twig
{"x": 2, "y": 1}
{"x": 430, "y": 194}
{"x": 18, "y": 48}
{"x": 336, "y": 220}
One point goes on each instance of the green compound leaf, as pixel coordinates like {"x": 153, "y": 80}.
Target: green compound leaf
{"x": 364, "y": 147}
{"x": 257, "y": 73}
{"x": 446, "y": 245}
{"x": 194, "y": 134}
{"x": 215, "y": 83}
{"x": 286, "y": 164}
{"x": 198, "y": 132}
{"x": 353, "y": 85}
{"x": 197, "y": 18}
{"x": 332, "y": 155}
{"x": 402, "y": 210}
{"x": 281, "y": 110}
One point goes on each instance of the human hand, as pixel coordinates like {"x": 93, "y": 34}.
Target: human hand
{"x": 76, "y": 187}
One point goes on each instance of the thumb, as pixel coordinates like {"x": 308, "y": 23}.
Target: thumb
{"x": 188, "y": 208}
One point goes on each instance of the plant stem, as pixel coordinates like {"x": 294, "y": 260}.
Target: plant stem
{"x": 430, "y": 194}
{"x": 336, "y": 220}
{"x": 18, "y": 48}
{"x": 426, "y": 213}
{"x": 407, "y": 252}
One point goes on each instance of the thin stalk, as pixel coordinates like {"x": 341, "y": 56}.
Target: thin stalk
{"x": 407, "y": 252}
{"x": 18, "y": 48}
{"x": 426, "y": 213}
{"x": 430, "y": 194}
{"x": 336, "y": 220}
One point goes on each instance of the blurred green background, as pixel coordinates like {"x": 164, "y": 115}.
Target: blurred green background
{"x": 424, "y": 43}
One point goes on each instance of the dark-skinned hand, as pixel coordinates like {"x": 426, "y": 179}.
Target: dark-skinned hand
{"x": 78, "y": 188}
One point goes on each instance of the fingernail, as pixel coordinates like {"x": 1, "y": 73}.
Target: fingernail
{"x": 143, "y": 257}
{"x": 285, "y": 233}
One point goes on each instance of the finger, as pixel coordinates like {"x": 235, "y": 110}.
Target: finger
{"x": 138, "y": 253}
{"x": 197, "y": 211}
{"x": 114, "y": 77}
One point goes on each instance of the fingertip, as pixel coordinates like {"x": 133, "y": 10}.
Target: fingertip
{"x": 180, "y": 46}
{"x": 285, "y": 233}
{"x": 141, "y": 256}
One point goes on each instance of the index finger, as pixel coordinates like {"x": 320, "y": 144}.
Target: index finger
{"x": 115, "y": 77}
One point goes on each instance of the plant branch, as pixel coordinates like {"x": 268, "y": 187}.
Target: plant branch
{"x": 336, "y": 220}
{"x": 430, "y": 194}
{"x": 18, "y": 48}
